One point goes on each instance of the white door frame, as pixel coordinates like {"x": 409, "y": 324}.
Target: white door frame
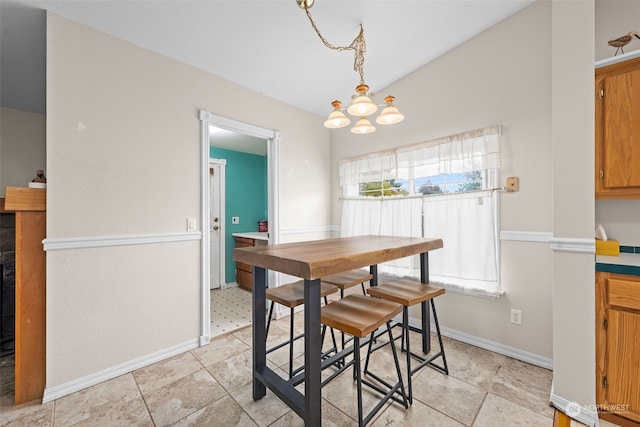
{"x": 221, "y": 163}
{"x": 208, "y": 119}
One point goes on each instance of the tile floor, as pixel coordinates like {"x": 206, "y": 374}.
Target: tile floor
{"x": 230, "y": 310}
{"x": 211, "y": 386}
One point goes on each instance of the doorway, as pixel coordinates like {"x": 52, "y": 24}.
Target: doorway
{"x": 208, "y": 123}
{"x": 216, "y": 222}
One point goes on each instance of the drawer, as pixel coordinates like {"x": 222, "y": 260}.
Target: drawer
{"x": 624, "y": 293}
{"x": 243, "y": 242}
{"x": 244, "y": 267}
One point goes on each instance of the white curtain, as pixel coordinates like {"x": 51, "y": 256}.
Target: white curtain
{"x": 466, "y": 152}
{"x": 360, "y": 217}
{"x": 471, "y": 151}
{"x": 466, "y": 223}
{"x": 384, "y": 217}
{"x": 376, "y": 167}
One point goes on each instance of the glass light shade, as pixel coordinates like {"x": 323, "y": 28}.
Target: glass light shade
{"x": 362, "y": 106}
{"x": 363, "y": 126}
{"x": 389, "y": 116}
{"x": 336, "y": 120}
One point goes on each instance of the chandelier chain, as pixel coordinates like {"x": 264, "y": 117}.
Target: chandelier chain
{"x": 357, "y": 45}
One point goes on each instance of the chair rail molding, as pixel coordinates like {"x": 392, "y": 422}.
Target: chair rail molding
{"x": 569, "y": 244}
{"x": 526, "y": 236}
{"x": 63, "y": 243}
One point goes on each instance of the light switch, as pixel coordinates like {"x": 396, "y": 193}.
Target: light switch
{"x": 191, "y": 224}
{"x": 235, "y": 220}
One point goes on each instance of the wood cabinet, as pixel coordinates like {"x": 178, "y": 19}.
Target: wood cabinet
{"x": 244, "y": 272}
{"x": 618, "y": 346}
{"x": 617, "y": 131}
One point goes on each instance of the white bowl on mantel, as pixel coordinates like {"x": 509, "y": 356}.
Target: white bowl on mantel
{"x": 37, "y": 185}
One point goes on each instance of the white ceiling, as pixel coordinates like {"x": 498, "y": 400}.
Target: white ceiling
{"x": 268, "y": 46}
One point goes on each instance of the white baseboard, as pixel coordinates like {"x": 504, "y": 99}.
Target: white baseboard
{"x": 58, "y": 391}
{"x": 574, "y": 410}
{"x": 525, "y": 356}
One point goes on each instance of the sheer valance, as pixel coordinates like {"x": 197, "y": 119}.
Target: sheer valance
{"x": 465, "y": 152}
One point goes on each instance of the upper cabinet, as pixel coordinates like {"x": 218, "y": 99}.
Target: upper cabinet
{"x": 617, "y": 131}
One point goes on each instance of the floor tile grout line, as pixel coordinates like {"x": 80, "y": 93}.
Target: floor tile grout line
{"x": 484, "y": 399}
{"x": 144, "y": 400}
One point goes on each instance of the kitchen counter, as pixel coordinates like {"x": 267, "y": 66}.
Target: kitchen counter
{"x": 626, "y": 263}
{"x": 257, "y": 235}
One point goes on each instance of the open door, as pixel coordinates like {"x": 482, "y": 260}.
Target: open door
{"x": 216, "y": 222}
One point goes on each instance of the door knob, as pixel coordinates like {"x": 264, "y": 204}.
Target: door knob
{"x": 215, "y": 227}
{"x": 215, "y": 219}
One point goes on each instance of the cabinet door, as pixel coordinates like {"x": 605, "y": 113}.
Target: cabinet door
{"x": 621, "y": 116}
{"x": 617, "y": 130}
{"x": 618, "y": 344}
{"x": 623, "y": 373}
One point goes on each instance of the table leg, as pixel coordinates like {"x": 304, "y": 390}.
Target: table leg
{"x": 312, "y": 353}
{"x": 259, "y": 297}
{"x": 426, "y": 319}
{"x": 373, "y": 270}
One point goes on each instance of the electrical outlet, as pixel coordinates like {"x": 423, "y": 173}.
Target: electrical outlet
{"x": 516, "y": 316}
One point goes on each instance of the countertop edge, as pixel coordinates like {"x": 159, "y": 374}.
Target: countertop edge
{"x": 626, "y": 263}
{"x": 259, "y": 235}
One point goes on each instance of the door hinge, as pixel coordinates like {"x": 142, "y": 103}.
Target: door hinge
{"x": 211, "y": 171}
{"x": 604, "y": 382}
{"x": 601, "y": 173}
{"x": 601, "y": 93}
{"x": 605, "y": 324}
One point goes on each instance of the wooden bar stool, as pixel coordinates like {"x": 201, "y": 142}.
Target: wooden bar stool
{"x": 292, "y": 295}
{"x": 410, "y": 292}
{"x": 349, "y": 279}
{"x": 359, "y": 315}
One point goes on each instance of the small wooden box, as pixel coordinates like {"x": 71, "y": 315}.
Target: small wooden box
{"x": 607, "y": 247}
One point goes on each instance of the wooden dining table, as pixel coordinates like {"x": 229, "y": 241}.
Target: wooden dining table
{"x": 311, "y": 261}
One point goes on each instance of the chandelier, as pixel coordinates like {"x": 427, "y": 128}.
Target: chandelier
{"x": 362, "y": 105}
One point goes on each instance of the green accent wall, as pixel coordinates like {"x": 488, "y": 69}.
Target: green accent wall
{"x": 246, "y": 197}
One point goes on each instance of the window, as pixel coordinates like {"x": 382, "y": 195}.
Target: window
{"x": 442, "y": 188}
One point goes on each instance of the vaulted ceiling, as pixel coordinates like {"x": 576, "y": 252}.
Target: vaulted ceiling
{"x": 268, "y": 46}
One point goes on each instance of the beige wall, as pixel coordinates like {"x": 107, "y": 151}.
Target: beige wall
{"x": 22, "y": 147}
{"x": 123, "y": 152}
{"x": 502, "y": 76}
{"x": 572, "y": 118}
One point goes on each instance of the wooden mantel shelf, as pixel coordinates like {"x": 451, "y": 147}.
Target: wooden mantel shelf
{"x": 25, "y": 199}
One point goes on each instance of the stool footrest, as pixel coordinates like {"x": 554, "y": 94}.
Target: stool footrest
{"x": 428, "y": 362}
{"x": 282, "y": 344}
{"x": 391, "y": 389}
